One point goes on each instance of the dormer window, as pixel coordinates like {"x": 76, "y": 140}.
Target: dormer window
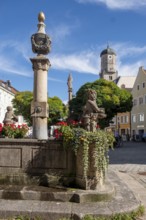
{"x": 123, "y": 86}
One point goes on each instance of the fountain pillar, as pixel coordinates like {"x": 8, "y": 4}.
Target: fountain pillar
{"x": 39, "y": 106}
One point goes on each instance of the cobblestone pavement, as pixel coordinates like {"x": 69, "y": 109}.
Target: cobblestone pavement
{"x": 129, "y": 162}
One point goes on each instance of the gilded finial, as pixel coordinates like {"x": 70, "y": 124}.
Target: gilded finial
{"x": 41, "y": 17}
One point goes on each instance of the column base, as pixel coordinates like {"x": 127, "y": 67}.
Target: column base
{"x": 40, "y": 128}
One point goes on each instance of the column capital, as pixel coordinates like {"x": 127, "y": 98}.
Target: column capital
{"x": 40, "y": 63}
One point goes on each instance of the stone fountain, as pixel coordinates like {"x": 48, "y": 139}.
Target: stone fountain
{"x": 27, "y": 165}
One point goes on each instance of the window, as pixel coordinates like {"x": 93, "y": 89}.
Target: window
{"x": 145, "y": 99}
{"x": 143, "y": 84}
{"x": 141, "y": 100}
{"x": 141, "y": 117}
{"x": 134, "y": 102}
{"x": 123, "y": 86}
{"x": 138, "y": 87}
{"x": 122, "y": 119}
{"x": 126, "y": 119}
{"x": 133, "y": 118}
{"x": 110, "y": 77}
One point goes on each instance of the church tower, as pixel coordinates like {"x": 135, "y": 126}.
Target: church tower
{"x": 108, "y": 64}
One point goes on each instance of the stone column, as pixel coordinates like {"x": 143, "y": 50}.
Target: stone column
{"x": 69, "y": 83}
{"x": 39, "y": 107}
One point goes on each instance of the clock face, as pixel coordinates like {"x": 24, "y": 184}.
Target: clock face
{"x": 109, "y": 57}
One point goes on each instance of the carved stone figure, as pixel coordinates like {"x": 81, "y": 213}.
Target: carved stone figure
{"x": 41, "y": 42}
{"x": 10, "y": 118}
{"x": 91, "y": 112}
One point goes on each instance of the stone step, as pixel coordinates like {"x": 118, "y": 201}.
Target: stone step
{"x": 123, "y": 201}
{"x": 62, "y": 194}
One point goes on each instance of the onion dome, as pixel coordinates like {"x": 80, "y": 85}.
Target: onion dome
{"x": 109, "y": 51}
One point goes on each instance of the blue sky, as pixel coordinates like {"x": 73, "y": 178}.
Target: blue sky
{"x": 79, "y": 30}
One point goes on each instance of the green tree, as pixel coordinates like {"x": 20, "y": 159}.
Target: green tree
{"x": 109, "y": 96}
{"x": 57, "y": 110}
{"x": 22, "y": 106}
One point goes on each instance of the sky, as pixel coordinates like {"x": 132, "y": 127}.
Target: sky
{"x": 79, "y": 31}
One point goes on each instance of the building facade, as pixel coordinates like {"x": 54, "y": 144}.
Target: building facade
{"x": 7, "y": 93}
{"x": 138, "y": 113}
{"x": 123, "y": 120}
{"x": 121, "y": 123}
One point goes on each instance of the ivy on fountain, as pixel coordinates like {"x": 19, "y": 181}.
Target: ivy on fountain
{"x": 76, "y": 138}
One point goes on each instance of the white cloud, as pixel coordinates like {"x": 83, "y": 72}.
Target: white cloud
{"x": 12, "y": 59}
{"x": 127, "y": 49}
{"x": 11, "y": 56}
{"x": 10, "y": 66}
{"x": 118, "y": 4}
{"x": 55, "y": 80}
{"x": 129, "y": 59}
{"x": 84, "y": 62}
{"x": 128, "y": 69}
{"x": 60, "y": 32}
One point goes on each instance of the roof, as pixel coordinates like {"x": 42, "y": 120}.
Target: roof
{"x": 126, "y": 82}
{"x": 142, "y": 68}
{"x": 108, "y": 50}
{"x": 7, "y": 85}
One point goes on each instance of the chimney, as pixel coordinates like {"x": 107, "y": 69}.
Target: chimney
{"x": 8, "y": 82}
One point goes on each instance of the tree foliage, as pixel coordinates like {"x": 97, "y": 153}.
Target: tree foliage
{"x": 109, "y": 96}
{"x": 57, "y": 110}
{"x": 22, "y": 106}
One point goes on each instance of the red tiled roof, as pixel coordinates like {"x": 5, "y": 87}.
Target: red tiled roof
{"x": 12, "y": 89}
